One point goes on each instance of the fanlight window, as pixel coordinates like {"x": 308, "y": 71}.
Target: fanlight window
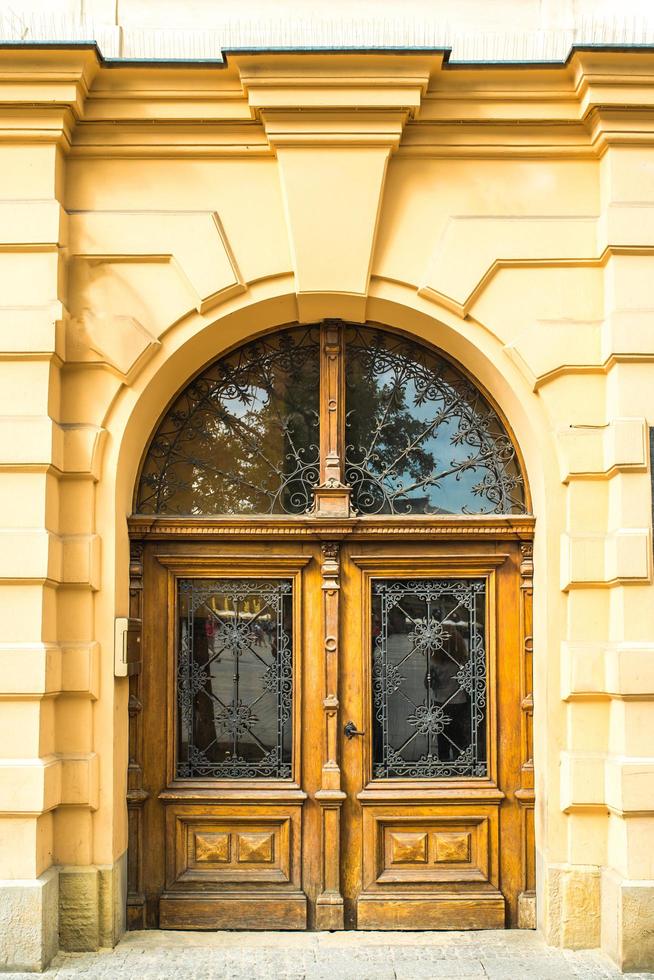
{"x": 244, "y": 436}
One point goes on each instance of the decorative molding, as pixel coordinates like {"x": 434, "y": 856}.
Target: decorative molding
{"x": 504, "y": 528}
{"x": 194, "y": 240}
{"x": 525, "y": 795}
{"x": 332, "y": 496}
{"x": 136, "y": 792}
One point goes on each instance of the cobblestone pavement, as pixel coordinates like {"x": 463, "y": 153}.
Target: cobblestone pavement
{"x": 510, "y": 955}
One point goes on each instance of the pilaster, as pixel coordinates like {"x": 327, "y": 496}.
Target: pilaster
{"x": 49, "y": 568}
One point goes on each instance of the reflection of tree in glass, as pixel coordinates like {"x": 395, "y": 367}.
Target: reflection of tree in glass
{"x": 242, "y": 437}
{"x": 420, "y": 437}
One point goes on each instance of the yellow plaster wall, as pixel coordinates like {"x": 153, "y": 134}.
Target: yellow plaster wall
{"x": 152, "y": 219}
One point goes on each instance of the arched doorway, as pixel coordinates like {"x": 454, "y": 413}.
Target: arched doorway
{"x": 331, "y": 726}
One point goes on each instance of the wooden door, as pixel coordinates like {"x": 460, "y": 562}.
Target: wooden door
{"x": 223, "y": 734}
{"x": 254, "y": 806}
{"x": 434, "y": 831}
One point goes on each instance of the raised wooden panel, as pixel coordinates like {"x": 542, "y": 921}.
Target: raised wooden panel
{"x": 214, "y": 848}
{"x": 431, "y": 850}
{"x": 430, "y": 867}
{"x": 255, "y": 848}
{"x": 225, "y": 850}
{"x": 451, "y": 848}
{"x": 232, "y": 866}
{"x": 408, "y": 848}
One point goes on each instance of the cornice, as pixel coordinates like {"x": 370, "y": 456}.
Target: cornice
{"x": 335, "y": 99}
{"x": 42, "y": 93}
{"x": 415, "y": 102}
{"x": 399, "y": 528}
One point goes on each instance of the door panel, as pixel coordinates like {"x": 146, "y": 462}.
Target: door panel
{"x": 222, "y": 862}
{"x": 223, "y": 663}
{"x": 431, "y": 638}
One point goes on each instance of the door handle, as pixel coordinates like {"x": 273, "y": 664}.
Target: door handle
{"x": 350, "y": 730}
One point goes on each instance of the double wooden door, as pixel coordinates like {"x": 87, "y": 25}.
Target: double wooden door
{"x": 332, "y": 731}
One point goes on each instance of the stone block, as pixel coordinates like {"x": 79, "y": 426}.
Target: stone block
{"x": 30, "y": 785}
{"x": 82, "y": 449}
{"x": 628, "y": 921}
{"x": 630, "y": 784}
{"x": 29, "y": 668}
{"x": 79, "y": 912}
{"x": 80, "y": 669}
{"x": 81, "y": 560}
{"x": 527, "y": 910}
{"x": 573, "y": 902}
{"x": 80, "y": 779}
{"x": 582, "y": 779}
{"x": 37, "y": 222}
{"x": 603, "y": 559}
{"x": 29, "y": 922}
{"x": 113, "y": 901}
{"x": 32, "y": 330}
{"x": 92, "y": 903}
{"x": 595, "y": 449}
{"x": 31, "y": 441}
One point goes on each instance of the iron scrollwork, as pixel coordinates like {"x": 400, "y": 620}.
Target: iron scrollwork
{"x": 429, "y": 678}
{"x": 421, "y": 438}
{"x": 235, "y": 678}
{"x": 243, "y": 436}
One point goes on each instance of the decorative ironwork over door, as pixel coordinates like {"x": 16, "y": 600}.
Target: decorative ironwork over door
{"x": 402, "y": 431}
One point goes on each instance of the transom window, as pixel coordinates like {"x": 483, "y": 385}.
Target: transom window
{"x": 416, "y": 434}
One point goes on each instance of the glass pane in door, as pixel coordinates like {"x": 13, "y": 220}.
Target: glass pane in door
{"x": 429, "y": 678}
{"x": 234, "y": 678}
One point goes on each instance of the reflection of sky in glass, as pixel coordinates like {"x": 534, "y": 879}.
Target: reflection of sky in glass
{"x": 255, "y": 400}
{"x": 402, "y": 475}
{"x": 243, "y": 437}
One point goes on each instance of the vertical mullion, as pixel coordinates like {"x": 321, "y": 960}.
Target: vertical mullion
{"x": 332, "y": 409}
{"x": 332, "y": 496}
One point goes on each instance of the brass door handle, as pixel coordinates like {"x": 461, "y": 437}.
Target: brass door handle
{"x": 350, "y": 730}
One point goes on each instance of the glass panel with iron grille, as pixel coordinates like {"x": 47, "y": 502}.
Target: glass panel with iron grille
{"x": 420, "y": 437}
{"x": 242, "y": 438}
{"x": 234, "y": 678}
{"x": 429, "y": 678}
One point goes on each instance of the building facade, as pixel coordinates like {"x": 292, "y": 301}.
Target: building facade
{"x": 327, "y": 380}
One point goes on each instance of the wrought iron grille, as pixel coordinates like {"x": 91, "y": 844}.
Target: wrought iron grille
{"x": 421, "y": 438}
{"x": 235, "y": 678}
{"x": 243, "y": 436}
{"x": 429, "y": 678}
